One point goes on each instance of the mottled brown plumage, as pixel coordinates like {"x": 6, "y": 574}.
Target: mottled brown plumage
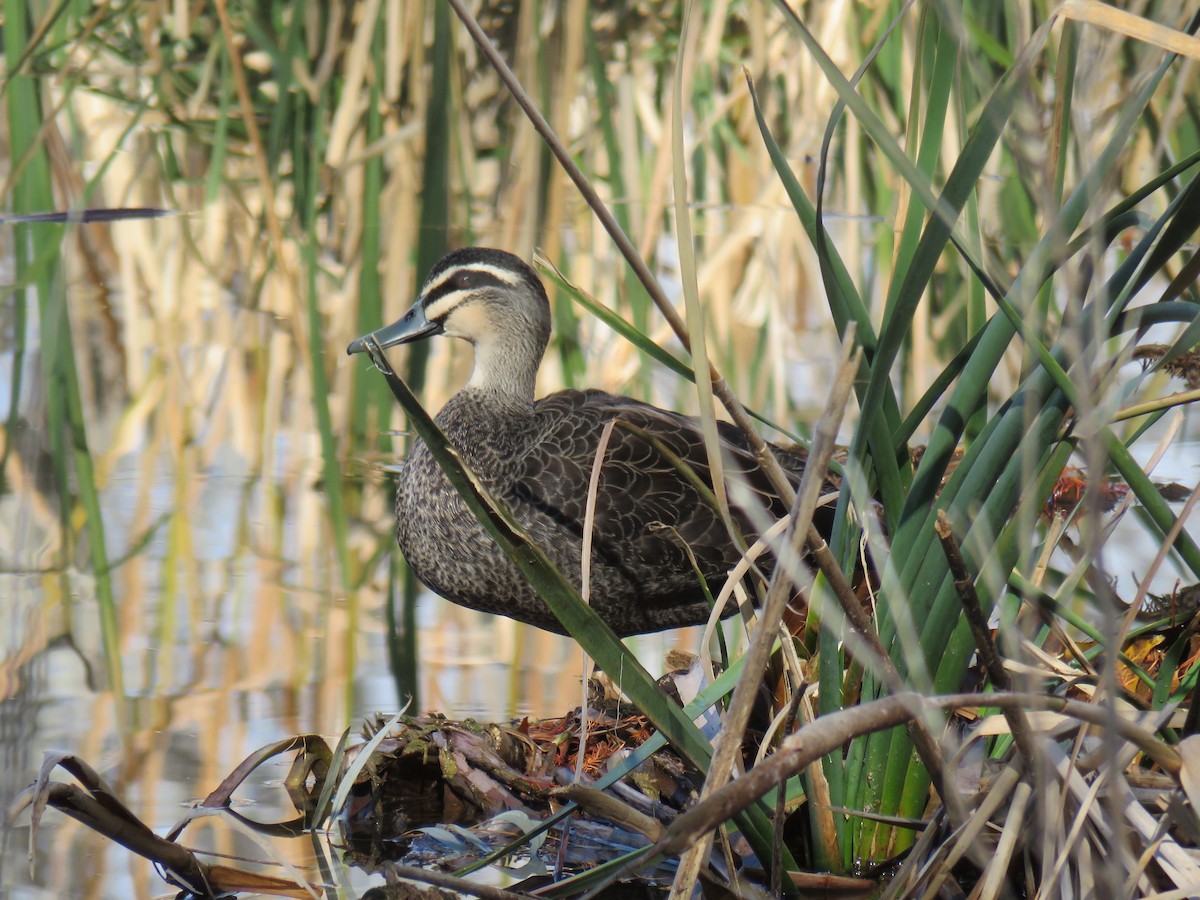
{"x": 537, "y": 457}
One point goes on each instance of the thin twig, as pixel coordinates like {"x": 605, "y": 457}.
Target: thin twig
{"x": 831, "y": 731}
{"x": 793, "y": 710}
{"x": 964, "y": 584}
{"x": 810, "y": 743}
{"x": 757, "y": 654}
{"x": 585, "y": 578}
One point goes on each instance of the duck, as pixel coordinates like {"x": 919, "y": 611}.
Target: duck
{"x": 656, "y": 540}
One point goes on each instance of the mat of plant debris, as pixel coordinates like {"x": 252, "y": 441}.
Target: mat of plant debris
{"x": 428, "y": 799}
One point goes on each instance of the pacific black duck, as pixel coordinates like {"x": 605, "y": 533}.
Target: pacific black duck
{"x": 537, "y": 456}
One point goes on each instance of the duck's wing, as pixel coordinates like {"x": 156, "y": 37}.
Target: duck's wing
{"x": 646, "y": 506}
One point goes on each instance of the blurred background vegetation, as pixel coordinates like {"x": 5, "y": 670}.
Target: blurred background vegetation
{"x": 194, "y": 492}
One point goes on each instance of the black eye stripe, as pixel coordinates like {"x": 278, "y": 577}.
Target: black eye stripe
{"x": 467, "y": 279}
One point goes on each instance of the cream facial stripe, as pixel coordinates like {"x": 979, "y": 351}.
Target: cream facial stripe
{"x": 445, "y": 304}
{"x": 443, "y": 294}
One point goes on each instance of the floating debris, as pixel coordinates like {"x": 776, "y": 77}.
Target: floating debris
{"x": 1069, "y": 490}
{"x": 1185, "y": 365}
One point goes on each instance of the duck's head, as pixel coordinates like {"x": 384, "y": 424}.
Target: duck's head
{"x": 489, "y": 298}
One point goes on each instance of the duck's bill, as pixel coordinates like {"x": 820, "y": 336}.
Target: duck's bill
{"x": 411, "y": 327}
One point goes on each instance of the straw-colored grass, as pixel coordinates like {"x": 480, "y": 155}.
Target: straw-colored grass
{"x": 1012, "y": 178}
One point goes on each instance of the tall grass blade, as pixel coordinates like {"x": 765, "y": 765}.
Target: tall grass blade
{"x": 37, "y": 250}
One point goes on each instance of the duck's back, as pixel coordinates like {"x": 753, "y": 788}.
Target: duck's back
{"x": 652, "y": 527}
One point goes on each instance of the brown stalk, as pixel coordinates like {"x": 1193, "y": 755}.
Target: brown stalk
{"x": 759, "y": 652}
{"x": 459, "y": 885}
{"x": 613, "y": 809}
{"x": 831, "y": 731}
{"x": 964, "y": 584}
{"x": 798, "y": 751}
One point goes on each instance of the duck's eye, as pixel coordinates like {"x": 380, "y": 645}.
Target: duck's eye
{"x": 466, "y": 280}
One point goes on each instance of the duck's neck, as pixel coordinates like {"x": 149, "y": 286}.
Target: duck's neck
{"x": 505, "y": 373}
